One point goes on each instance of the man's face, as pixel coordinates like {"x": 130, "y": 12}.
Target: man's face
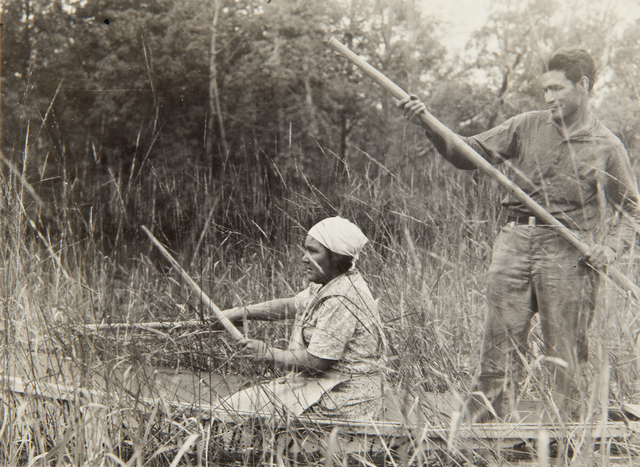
{"x": 562, "y": 96}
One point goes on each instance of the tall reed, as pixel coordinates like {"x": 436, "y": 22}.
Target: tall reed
{"x": 237, "y": 233}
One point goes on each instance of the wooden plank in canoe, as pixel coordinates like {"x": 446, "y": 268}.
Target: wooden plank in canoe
{"x": 435, "y": 424}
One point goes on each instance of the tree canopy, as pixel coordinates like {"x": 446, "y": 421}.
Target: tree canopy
{"x": 124, "y": 101}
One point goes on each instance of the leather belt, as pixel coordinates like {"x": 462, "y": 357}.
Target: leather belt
{"x": 525, "y": 220}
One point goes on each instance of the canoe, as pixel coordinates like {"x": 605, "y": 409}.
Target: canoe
{"x": 409, "y": 426}
{"x": 416, "y": 427}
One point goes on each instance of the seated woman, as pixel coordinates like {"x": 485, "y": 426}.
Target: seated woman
{"x": 337, "y": 329}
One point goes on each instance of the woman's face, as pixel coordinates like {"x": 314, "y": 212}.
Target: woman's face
{"x": 319, "y": 261}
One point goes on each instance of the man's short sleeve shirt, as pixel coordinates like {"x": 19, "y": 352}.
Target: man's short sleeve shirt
{"x": 572, "y": 177}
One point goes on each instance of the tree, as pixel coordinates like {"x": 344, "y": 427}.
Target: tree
{"x": 622, "y": 103}
{"x": 153, "y": 93}
{"x": 31, "y": 46}
{"x": 392, "y": 36}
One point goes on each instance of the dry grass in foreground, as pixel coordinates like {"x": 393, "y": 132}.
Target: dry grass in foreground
{"x": 426, "y": 262}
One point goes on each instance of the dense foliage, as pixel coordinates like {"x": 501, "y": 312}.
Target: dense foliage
{"x": 228, "y": 128}
{"x": 120, "y": 104}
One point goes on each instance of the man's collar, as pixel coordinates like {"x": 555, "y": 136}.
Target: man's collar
{"x": 585, "y": 131}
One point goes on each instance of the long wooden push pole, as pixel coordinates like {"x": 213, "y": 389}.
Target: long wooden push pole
{"x": 228, "y": 325}
{"x": 481, "y": 163}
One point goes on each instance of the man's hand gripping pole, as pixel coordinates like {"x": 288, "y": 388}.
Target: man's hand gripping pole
{"x": 480, "y": 162}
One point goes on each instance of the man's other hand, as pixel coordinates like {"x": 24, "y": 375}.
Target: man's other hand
{"x": 600, "y": 257}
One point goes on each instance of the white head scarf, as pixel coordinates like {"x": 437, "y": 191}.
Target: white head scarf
{"x": 340, "y": 236}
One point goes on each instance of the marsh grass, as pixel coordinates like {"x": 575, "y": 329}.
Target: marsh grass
{"x": 431, "y": 230}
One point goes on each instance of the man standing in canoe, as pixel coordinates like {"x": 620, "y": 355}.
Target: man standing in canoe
{"x": 575, "y": 167}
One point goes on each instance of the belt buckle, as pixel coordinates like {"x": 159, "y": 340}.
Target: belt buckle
{"x": 532, "y": 221}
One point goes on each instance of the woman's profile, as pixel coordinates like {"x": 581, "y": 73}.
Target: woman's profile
{"x": 337, "y": 333}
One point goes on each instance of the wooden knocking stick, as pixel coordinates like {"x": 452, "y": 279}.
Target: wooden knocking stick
{"x": 226, "y": 323}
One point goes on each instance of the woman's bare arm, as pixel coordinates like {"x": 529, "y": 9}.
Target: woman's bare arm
{"x": 297, "y": 360}
{"x": 271, "y": 310}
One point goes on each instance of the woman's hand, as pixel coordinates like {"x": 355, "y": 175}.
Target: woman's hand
{"x": 298, "y": 360}
{"x": 256, "y": 348}
{"x": 412, "y": 107}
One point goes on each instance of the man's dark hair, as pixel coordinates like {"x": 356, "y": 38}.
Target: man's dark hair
{"x": 575, "y": 63}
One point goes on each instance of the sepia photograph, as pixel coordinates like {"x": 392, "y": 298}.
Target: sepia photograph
{"x": 319, "y": 233}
